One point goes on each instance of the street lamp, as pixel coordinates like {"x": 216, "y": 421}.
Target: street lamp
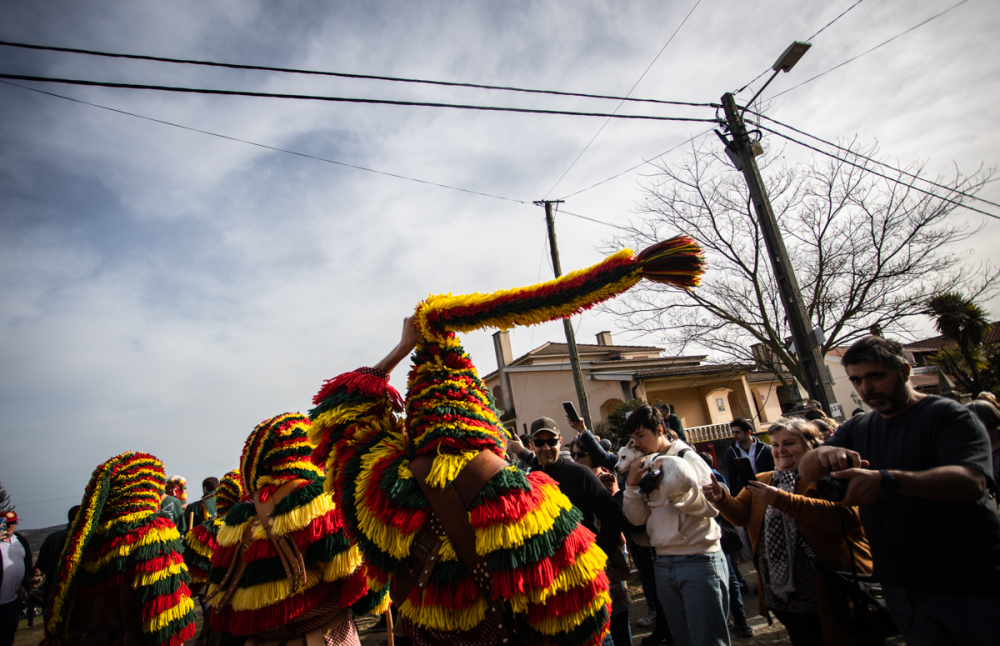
{"x": 785, "y": 63}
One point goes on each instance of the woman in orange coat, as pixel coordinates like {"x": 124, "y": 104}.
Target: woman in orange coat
{"x": 789, "y": 526}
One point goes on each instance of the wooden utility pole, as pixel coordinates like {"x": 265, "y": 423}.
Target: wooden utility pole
{"x": 810, "y": 357}
{"x": 574, "y": 356}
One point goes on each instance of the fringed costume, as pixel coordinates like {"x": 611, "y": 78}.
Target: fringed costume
{"x": 283, "y": 569}
{"x": 121, "y": 576}
{"x": 534, "y": 573}
{"x": 200, "y": 542}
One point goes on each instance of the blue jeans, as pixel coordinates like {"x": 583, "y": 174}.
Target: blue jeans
{"x": 939, "y": 620}
{"x": 735, "y": 597}
{"x": 694, "y": 594}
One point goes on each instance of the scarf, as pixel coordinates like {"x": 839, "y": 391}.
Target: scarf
{"x": 781, "y": 536}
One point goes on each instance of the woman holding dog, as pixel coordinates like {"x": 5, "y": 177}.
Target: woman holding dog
{"x": 790, "y": 527}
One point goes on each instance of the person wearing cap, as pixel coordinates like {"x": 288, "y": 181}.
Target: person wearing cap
{"x": 599, "y": 450}
{"x": 15, "y": 578}
{"x": 578, "y": 483}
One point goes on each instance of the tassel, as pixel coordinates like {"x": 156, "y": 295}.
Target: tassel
{"x": 368, "y": 384}
{"x": 678, "y": 261}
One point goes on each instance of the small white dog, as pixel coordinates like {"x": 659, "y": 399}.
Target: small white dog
{"x": 677, "y": 478}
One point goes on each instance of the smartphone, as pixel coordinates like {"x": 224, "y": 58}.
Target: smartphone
{"x": 744, "y": 469}
{"x": 571, "y": 412}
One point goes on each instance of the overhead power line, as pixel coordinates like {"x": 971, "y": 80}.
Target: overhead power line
{"x": 874, "y": 161}
{"x": 634, "y": 85}
{"x": 265, "y": 146}
{"x": 807, "y": 40}
{"x": 341, "y": 99}
{"x": 629, "y": 170}
{"x": 873, "y": 172}
{"x": 370, "y": 77}
{"x": 882, "y": 44}
{"x": 584, "y": 217}
{"x": 834, "y": 20}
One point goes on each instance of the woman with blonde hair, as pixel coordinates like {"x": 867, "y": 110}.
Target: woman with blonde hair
{"x": 790, "y": 527}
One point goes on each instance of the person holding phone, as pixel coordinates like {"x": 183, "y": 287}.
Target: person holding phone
{"x": 789, "y": 528}
{"x": 745, "y": 445}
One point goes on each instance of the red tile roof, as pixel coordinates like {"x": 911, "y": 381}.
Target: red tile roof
{"x": 937, "y": 342}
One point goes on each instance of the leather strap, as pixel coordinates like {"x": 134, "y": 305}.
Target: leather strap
{"x": 235, "y": 571}
{"x": 288, "y": 551}
{"x": 450, "y": 510}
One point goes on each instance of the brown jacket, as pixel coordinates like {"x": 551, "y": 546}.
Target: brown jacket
{"x": 818, "y": 522}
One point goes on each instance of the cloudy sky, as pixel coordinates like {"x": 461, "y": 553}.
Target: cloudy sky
{"x": 164, "y": 290}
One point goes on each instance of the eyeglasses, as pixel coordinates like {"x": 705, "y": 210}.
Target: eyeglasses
{"x": 549, "y": 442}
{"x": 580, "y": 454}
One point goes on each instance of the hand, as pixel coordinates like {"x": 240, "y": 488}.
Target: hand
{"x": 836, "y": 458}
{"x": 408, "y": 340}
{"x": 577, "y": 426}
{"x": 514, "y": 446}
{"x": 714, "y": 491}
{"x": 608, "y": 479}
{"x": 635, "y": 471}
{"x": 865, "y": 486}
{"x": 767, "y": 493}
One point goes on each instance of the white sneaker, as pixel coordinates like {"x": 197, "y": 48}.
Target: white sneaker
{"x": 647, "y": 619}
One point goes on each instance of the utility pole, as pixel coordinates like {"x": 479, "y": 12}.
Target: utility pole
{"x": 810, "y": 357}
{"x": 574, "y": 356}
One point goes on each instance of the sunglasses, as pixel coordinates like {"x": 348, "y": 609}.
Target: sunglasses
{"x": 580, "y": 454}
{"x": 550, "y": 442}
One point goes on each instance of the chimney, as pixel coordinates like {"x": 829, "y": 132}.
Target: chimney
{"x": 604, "y": 338}
{"x": 501, "y": 344}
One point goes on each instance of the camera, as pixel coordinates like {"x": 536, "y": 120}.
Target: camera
{"x": 832, "y": 489}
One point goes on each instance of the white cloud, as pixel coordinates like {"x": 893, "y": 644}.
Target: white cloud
{"x": 165, "y": 290}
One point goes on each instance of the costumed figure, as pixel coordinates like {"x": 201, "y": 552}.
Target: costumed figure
{"x": 476, "y": 551}
{"x": 200, "y": 542}
{"x": 121, "y": 578}
{"x": 178, "y": 488}
{"x": 283, "y": 569}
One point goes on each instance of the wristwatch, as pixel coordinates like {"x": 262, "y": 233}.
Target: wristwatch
{"x": 889, "y": 483}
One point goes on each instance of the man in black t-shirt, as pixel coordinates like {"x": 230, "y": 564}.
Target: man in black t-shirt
{"x": 919, "y": 468}
{"x": 579, "y": 483}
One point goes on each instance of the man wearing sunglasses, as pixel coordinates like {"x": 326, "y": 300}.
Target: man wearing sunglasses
{"x": 601, "y": 514}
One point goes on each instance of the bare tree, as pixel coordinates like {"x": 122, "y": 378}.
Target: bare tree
{"x": 5, "y": 504}
{"x": 867, "y": 253}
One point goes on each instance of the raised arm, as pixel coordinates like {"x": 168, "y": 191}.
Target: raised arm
{"x": 407, "y": 341}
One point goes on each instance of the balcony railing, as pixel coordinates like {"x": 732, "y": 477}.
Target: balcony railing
{"x": 708, "y": 433}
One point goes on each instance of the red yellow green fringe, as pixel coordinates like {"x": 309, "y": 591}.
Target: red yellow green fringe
{"x": 116, "y": 539}
{"x": 276, "y": 452}
{"x": 200, "y": 543}
{"x": 541, "y": 559}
